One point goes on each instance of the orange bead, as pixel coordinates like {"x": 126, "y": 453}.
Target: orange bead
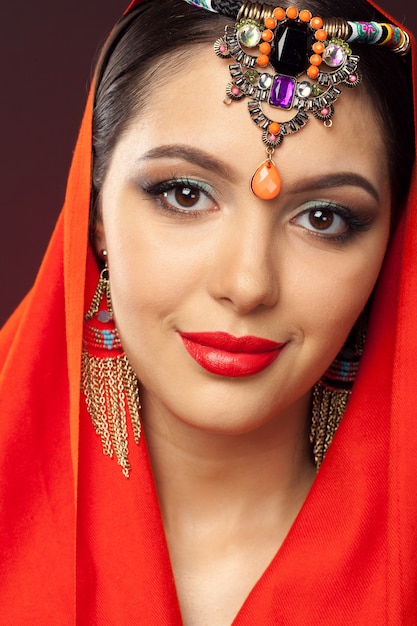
{"x": 321, "y": 35}
{"x": 319, "y": 47}
{"x": 279, "y": 13}
{"x": 266, "y": 182}
{"x": 274, "y": 128}
{"x": 305, "y": 16}
{"x": 267, "y": 35}
{"x": 316, "y": 59}
{"x": 270, "y": 22}
{"x": 316, "y": 22}
{"x": 292, "y": 13}
{"x": 265, "y": 47}
{"x": 263, "y": 60}
{"x": 313, "y": 71}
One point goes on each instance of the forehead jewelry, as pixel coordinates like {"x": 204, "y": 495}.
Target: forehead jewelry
{"x": 291, "y": 59}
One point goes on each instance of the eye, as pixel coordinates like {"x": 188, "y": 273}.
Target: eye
{"x": 183, "y": 195}
{"x": 187, "y": 197}
{"x": 329, "y": 220}
{"x": 333, "y": 222}
{"x": 323, "y": 220}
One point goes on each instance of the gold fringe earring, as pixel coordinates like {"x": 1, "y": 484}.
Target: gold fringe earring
{"x": 108, "y": 381}
{"x": 331, "y": 394}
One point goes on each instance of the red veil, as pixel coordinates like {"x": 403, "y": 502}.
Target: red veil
{"x": 79, "y": 542}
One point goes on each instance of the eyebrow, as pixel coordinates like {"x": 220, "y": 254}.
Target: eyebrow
{"x": 338, "y": 179}
{"x": 191, "y": 155}
{"x": 208, "y": 162}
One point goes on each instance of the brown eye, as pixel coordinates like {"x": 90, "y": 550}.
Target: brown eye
{"x": 321, "y": 219}
{"x": 187, "y": 197}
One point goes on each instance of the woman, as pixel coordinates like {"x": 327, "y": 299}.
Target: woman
{"x": 235, "y": 274}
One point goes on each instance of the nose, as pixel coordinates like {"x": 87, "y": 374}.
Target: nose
{"x": 245, "y": 267}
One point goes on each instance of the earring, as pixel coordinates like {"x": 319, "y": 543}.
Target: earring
{"x": 108, "y": 381}
{"x": 331, "y": 394}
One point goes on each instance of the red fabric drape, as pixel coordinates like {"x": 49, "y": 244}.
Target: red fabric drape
{"x": 81, "y": 544}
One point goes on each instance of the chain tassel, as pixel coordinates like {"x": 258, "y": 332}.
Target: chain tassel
{"x": 331, "y": 394}
{"x": 328, "y": 409}
{"x": 108, "y": 382}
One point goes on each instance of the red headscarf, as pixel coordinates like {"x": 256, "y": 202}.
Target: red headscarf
{"x": 79, "y": 542}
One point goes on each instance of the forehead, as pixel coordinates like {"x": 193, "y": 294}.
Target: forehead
{"x": 186, "y": 106}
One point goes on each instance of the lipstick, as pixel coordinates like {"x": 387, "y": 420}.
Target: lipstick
{"x": 226, "y": 355}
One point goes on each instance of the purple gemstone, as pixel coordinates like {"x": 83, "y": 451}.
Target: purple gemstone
{"x": 282, "y": 92}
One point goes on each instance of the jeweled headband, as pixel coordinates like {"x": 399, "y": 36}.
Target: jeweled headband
{"x": 300, "y": 62}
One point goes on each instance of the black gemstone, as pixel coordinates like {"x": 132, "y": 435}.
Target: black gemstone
{"x": 291, "y": 47}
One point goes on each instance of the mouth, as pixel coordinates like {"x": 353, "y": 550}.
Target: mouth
{"x": 225, "y": 355}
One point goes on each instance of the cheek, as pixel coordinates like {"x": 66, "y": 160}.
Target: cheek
{"x": 332, "y": 293}
{"x": 155, "y": 264}
{"x": 152, "y": 275}
{"x": 142, "y": 283}
{"x": 142, "y": 298}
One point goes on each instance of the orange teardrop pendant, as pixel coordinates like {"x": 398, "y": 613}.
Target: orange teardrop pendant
{"x": 266, "y": 182}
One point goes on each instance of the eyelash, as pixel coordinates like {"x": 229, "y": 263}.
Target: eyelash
{"x": 355, "y": 223}
{"x": 160, "y": 191}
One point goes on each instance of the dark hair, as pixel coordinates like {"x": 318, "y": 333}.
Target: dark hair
{"x": 156, "y": 32}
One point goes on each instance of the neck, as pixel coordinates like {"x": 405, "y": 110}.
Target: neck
{"x": 202, "y": 475}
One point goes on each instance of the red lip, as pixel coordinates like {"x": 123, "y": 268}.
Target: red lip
{"x": 225, "y": 355}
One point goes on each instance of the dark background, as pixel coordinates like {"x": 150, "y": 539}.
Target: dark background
{"x": 47, "y": 52}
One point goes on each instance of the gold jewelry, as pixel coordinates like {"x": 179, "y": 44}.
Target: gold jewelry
{"x": 108, "y": 381}
{"x": 289, "y": 59}
{"x": 331, "y": 394}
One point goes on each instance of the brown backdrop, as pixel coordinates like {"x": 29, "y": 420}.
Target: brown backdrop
{"x": 47, "y": 53}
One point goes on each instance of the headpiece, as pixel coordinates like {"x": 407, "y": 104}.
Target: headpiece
{"x": 291, "y": 59}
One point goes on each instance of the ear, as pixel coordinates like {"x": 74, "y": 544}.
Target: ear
{"x": 99, "y": 238}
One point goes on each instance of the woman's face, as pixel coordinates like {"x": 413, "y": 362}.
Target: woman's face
{"x": 192, "y": 250}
